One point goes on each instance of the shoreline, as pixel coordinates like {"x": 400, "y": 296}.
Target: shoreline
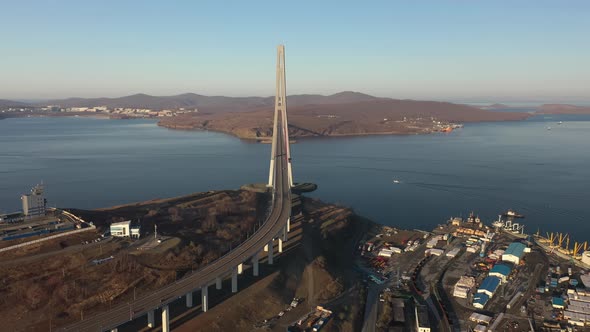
{"x": 265, "y": 139}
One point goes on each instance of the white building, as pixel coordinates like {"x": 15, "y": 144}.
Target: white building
{"x": 463, "y": 287}
{"x": 135, "y": 231}
{"x": 435, "y": 252}
{"x": 34, "y": 204}
{"x": 514, "y": 253}
{"x": 121, "y": 229}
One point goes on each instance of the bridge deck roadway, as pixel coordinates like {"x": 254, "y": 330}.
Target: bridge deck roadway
{"x": 273, "y": 225}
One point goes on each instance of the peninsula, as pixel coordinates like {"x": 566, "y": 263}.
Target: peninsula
{"x": 342, "y": 114}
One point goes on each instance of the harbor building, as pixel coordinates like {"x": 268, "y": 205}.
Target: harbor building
{"x": 125, "y": 229}
{"x": 34, "y": 203}
{"x": 489, "y": 285}
{"x": 480, "y": 300}
{"x": 135, "y": 231}
{"x": 514, "y": 253}
{"x": 121, "y": 229}
{"x": 501, "y": 271}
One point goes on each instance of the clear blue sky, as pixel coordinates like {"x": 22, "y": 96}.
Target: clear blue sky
{"x": 444, "y": 50}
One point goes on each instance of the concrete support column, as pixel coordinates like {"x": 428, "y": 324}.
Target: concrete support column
{"x": 234, "y": 280}
{"x": 270, "y": 254}
{"x": 240, "y": 268}
{"x": 151, "y": 319}
{"x": 255, "y": 265}
{"x": 189, "y": 299}
{"x": 286, "y": 233}
{"x": 165, "y": 319}
{"x": 265, "y": 247}
{"x": 218, "y": 283}
{"x": 205, "y": 296}
{"x": 289, "y": 224}
{"x": 280, "y": 244}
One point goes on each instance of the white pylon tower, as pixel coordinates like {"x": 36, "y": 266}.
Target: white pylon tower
{"x": 280, "y": 109}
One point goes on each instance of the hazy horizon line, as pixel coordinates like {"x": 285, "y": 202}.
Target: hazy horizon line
{"x": 573, "y": 100}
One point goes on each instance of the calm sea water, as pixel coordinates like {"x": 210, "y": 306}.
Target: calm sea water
{"x": 486, "y": 168}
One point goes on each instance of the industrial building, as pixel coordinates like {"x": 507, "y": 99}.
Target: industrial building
{"x": 489, "y": 286}
{"x": 480, "y": 318}
{"x": 480, "y": 300}
{"x": 501, "y": 271}
{"x": 34, "y": 203}
{"x": 125, "y": 229}
{"x": 514, "y": 253}
{"x": 434, "y": 252}
{"x": 422, "y": 321}
{"x": 463, "y": 287}
{"x": 558, "y": 303}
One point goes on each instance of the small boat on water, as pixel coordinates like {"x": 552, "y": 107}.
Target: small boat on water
{"x": 396, "y": 181}
{"x": 560, "y": 122}
{"x": 512, "y": 214}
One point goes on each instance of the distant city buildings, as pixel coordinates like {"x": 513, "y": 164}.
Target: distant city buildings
{"x": 127, "y": 112}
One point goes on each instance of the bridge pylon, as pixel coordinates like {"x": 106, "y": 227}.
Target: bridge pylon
{"x": 280, "y": 119}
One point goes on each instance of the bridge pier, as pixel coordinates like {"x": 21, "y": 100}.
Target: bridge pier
{"x": 189, "y": 299}
{"x": 270, "y": 254}
{"x": 289, "y": 224}
{"x": 234, "y": 280}
{"x": 218, "y": 283}
{"x": 165, "y": 319}
{"x": 205, "y": 296}
{"x": 286, "y": 233}
{"x": 255, "y": 265}
{"x": 151, "y": 319}
{"x": 240, "y": 268}
{"x": 280, "y": 244}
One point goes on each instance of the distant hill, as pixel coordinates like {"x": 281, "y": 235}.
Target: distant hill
{"x": 10, "y": 103}
{"x": 209, "y": 104}
{"x": 496, "y": 106}
{"x": 563, "y": 109}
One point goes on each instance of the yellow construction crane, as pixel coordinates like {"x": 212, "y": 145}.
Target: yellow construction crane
{"x": 551, "y": 239}
{"x": 577, "y": 248}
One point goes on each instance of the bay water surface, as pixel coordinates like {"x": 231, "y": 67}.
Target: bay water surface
{"x": 486, "y": 168}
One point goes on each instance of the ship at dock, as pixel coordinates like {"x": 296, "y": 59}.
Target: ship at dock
{"x": 508, "y": 225}
{"x": 559, "y": 245}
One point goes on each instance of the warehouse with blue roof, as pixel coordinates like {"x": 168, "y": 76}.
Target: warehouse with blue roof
{"x": 514, "y": 253}
{"x": 489, "y": 286}
{"x": 480, "y": 300}
{"x": 501, "y": 271}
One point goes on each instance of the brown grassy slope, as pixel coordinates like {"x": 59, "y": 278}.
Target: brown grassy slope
{"x": 357, "y": 118}
{"x": 318, "y": 270}
{"x": 63, "y": 287}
